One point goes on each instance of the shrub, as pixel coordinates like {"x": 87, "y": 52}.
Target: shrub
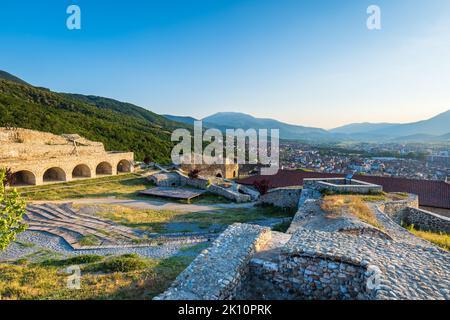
{"x": 194, "y": 174}
{"x": 262, "y": 186}
{"x": 12, "y": 209}
{"x": 9, "y": 177}
{"x": 81, "y": 259}
{"x": 147, "y": 160}
{"x": 123, "y": 263}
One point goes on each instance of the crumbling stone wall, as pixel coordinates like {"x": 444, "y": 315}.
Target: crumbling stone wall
{"x": 282, "y": 197}
{"x": 425, "y": 220}
{"x": 216, "y": 273}
{"x": 305, "y": 277}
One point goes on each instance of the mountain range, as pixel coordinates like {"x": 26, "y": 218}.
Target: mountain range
{"x": 436, "y": 129}
{"x": 124, "y": 126}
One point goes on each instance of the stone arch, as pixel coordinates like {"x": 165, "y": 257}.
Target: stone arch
{"x": 103, "y": 168}
{"x": 81, "y": 171}
{"x": 23, "y": 178}
{"x": 219, "y": 174}
{"x": 124, "y": 166}
{"x": 54, "y": 174}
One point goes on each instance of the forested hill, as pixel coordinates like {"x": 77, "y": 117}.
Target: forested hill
{"x": 120, "y": 126}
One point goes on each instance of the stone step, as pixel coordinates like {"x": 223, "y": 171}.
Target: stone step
{"x": 80, "y": 229}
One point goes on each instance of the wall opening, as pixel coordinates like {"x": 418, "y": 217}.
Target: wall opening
{"x": 54, "y": 175}
{"x": 219, "y": 175}
{"x": 104, "y": 168}
{"x": 124, "y": 166}
{"x": 81, "y": 171}
{"x": 23, "y": 178}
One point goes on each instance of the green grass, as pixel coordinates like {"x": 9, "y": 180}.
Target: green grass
{"x": 157, "y": 220}
{"x": 122, "y": 187}
{"x": 282, "y": 226}
{"x": 123, "y": 277}
{"x": 89, "y": 240}
{"x": 81, "y": 259}
{"x": 440, "y": 239}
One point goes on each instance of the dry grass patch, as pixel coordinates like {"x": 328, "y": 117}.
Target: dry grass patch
{"x": 352, "y": 204}
{"x": 440, "y": 239}
{"x": 155, "y": 220}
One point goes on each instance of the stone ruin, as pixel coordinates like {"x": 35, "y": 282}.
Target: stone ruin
{"x": 37, "y": 158}
{"x": 340, "y": 259}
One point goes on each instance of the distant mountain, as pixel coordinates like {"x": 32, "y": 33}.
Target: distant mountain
{"x": 7, "y": 76}
{"x": 361, "y": 127}
{"x": 181, "y": 119}
{"x": 431, "y": 130}
{"x": 119, "y": 125}
{"x": 438, "y": 125}
{"x": 224, "y": 120}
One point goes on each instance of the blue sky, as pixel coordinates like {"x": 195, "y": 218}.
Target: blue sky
{"x": 309, "y": 62}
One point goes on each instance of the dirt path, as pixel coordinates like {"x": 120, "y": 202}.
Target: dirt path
{"x": 150, "y": 204}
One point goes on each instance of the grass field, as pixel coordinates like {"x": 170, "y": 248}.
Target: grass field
{"x": 123, "y": 277}
{"x": 157, "y": 220}
{"x": 121, "y": 186}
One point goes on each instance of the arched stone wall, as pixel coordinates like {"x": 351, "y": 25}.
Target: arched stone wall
{"x": 124, "y": 166}
{"x": 104, "y": 168}
{"x": 24, "y": 178}
{"x": 81, "y": 171}
{"x": 53, "y": 170}
{"x": 54, "y": 174}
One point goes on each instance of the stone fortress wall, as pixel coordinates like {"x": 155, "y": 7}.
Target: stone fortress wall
{"x": 37, "y": 158}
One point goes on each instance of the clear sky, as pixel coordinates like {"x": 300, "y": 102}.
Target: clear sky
{"x": 308, "y": 62}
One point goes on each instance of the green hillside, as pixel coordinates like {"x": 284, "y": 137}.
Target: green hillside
{"x": 119, "y": 126}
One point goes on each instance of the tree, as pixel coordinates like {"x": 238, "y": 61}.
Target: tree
{"x": 12, "y": 209}
{"x": 9, "y": 177}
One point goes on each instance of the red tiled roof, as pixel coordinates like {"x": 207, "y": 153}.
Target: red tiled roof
{"x": 431, "y": 193}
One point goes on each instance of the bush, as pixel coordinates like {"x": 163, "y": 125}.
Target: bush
{"x": 81, "y": 259}
{"x": 262, "y": 186}
{"x": 194, "y": 174}
{"x": 123, "y": 263}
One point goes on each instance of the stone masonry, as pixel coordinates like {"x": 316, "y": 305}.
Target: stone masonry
{"x": 37, "y": 158}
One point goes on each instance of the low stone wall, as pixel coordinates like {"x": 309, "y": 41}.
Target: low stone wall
{"x": 216, "y": 273}
{"x": 282, "y": 197}
{"x": 341, "y": 185}
{"x": 391, "y": 208}
{"x": 425, "y": 220}
{"x": 407, "y": 211}
{"x": 304, "y": 277}
{"x": 304, "y": 273}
